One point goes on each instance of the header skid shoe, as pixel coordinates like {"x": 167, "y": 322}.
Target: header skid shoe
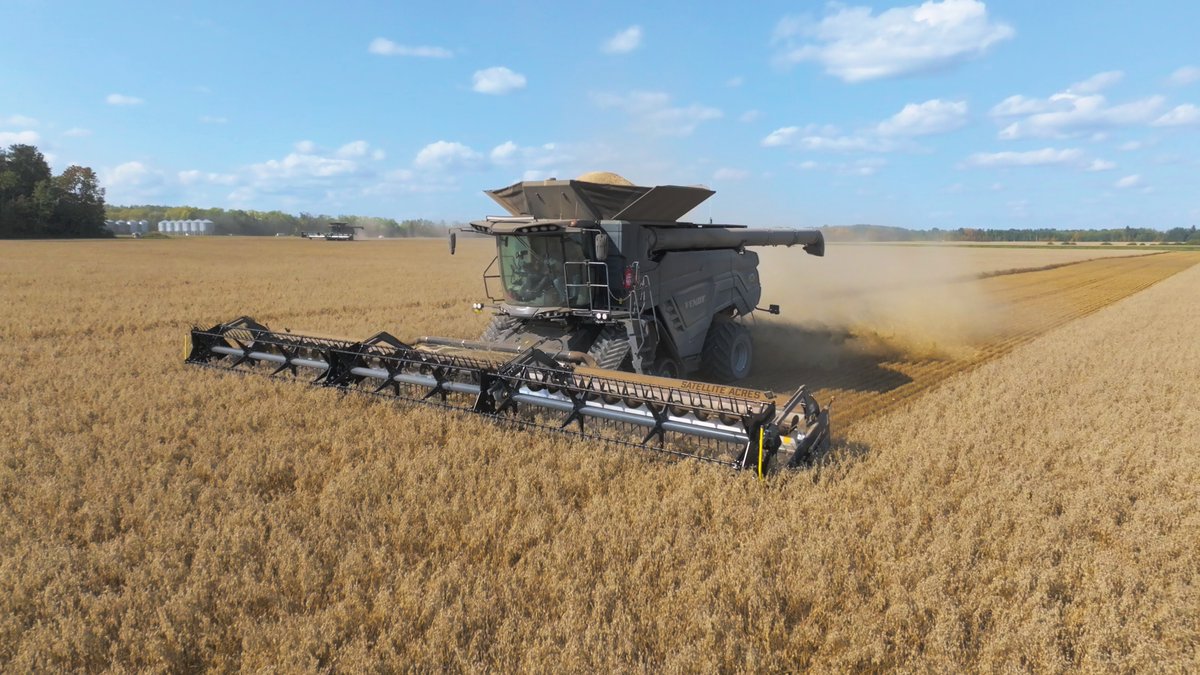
{"x": 739, "y": 428}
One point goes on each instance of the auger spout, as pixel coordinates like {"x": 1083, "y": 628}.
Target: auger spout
{"x": 709, "y": 238}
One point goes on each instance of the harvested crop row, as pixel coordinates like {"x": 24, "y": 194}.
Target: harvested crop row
{"x": 869, "y": 374}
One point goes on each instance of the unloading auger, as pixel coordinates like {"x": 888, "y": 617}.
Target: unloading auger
{"x": 740, "y": 428}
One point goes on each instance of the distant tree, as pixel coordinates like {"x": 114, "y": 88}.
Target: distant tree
{"x": 22, "y": 169}
{"x": 80, "y": 202}
{"x": 33, "y": 203}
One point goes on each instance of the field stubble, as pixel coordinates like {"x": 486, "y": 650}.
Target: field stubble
{"x": 1038, "y": 512}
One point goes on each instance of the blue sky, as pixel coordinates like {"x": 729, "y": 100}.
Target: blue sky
{"x": 951, "y": 114}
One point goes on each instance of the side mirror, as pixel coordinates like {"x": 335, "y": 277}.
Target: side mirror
{"x": 453, "y": 241}
{"x": 602, "y": 246}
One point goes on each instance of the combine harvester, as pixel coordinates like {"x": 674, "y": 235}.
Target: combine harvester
{"x": 337, "y": 232}
{"x": 602, "y": 301}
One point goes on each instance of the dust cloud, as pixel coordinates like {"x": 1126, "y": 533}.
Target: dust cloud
{"x": 882, "y": 302}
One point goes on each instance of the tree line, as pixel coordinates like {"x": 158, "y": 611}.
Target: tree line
{"x": 1182, "y": 235}
{"x": 269, "y": 223}
{"x": 37, "y": 204}
{"x": 34, "y": 203}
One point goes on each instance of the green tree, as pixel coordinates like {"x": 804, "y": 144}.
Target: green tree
{"x": 80, "y": 208}
{"x": 22, "y": 169}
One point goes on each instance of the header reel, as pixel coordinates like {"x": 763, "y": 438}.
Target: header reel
{"x": 739, "y": 428}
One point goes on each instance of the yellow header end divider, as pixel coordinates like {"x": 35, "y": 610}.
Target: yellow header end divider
{"x": 760, "y": 453}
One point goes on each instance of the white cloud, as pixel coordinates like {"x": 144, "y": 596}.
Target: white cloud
{"x": 497, "y": 80}
{"x": 730, "y": 174}
{"x": 749, "y": 116}
{"x": 653, "y": 113}
{"x": 132, "y": 183}
{"x": 1185, "y": 115}
{"x": 1101, "y": 165}
{"x": 1185, "y": 76}
{"x": 862, "y": 167}
{"x": 1130, "y": 146}
{"x": 196, "y": 177}
{"x": 77, "y": 132}
{"x": 128, "y": 173}
{"x": 18, "y": 121}
{"x": 914, "y": 120}
{"x": 819, "y": 137}
{"x": 624, "y": 41}
{"x": 1127, "y": 182}
{"x": 1066, "y": 114}
{"x": 209, "y": 119}
{"x": 922, "y": 119}
{"x": 1014, "y": 106}
{"x": 19, "y": 138}
{"x": 838, "y": 143}
{"x": 734, "y": 82}
{"x": 1097, "y": 82}
{"x": 542, "y": 160}
{"x": 780, "y": 137}
{"x": 854, "y": 44}
{"x": 446, "y": 155}
{"x": 354, "y": 149}
{"x": 385, "y": 47}
{"x": 122, "y": 99}
{"x": 503, "y": 153}
{"x": 308, "y": 173}
{"x": 539, "y": 174}
{"x": 303, "y": 166}
{"x": 1043, "y": 157}
{"x": 825, "y": 138}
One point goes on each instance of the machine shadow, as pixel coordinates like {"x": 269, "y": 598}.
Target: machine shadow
{"x": 787, "y": 356}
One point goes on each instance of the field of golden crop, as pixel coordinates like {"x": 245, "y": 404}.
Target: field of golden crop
{"x": 1015, "y": 484}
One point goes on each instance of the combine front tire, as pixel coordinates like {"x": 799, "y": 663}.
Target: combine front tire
{"x": 500, "y": 328}
{"x": 728, "y": 350}
{"x": 667, "y": 366}
{"x": 611, "y": 348}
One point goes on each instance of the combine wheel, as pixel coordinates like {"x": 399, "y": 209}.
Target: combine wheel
{"x": 611, "y": 348}
{"x": 667, "y": 366}
{"x": 499, "y": 328}
{"x": 728, "y": 350}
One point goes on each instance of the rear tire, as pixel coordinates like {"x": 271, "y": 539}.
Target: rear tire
{"x": 500, "y": 328}
{"x": 728, "y": 350}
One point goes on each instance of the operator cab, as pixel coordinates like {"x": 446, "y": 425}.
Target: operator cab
{"x": 546, "y": 270}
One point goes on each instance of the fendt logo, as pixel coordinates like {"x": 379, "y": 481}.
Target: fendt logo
{"x": 694, "y": 302}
